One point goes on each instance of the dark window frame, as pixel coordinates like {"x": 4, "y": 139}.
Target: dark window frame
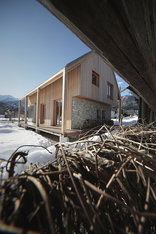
{"x": 110, "y": 90}
{"x": 58, "y": 112}
{"x": 95, "y": 78}
{"x": 42, "y": 113}
{"x": 98, "y": 114}
{"x": 103, "y": 114}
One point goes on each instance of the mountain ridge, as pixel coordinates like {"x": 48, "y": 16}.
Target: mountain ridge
{"x": 7, "y": 98}
{"x": 9, "y": 104}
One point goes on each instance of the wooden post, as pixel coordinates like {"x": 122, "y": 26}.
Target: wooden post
{"x": 151, "y": 116}
{"x": 120, "y": 109}
{"x": 63, "y": 100}
{"x": 146, "y": 115}
{"x": 37, "y": 107}
{"x": 145, "y": 112}
{"x": 26, "y": 109}
{"x": 19, "y": 112}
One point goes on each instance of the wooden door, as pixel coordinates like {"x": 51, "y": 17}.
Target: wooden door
{"x": 42, "y": 113}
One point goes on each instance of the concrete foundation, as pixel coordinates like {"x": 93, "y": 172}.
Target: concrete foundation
{"x": 63, "y": 139}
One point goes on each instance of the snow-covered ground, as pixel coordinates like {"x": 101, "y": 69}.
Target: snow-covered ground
{"x": 12, "y": 136}
{"x": 129, "y": 120}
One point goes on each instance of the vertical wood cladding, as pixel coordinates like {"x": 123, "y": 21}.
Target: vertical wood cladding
{"x": 85, "y": 78}
{"x": 72, "y": 89}
{"x": 95, "y": 64}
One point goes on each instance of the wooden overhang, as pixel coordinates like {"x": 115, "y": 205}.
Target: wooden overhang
{"x": 123, "y": 32}
{"x": 52, "y": 79}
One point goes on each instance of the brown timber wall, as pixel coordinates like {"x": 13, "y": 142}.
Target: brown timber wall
{"x": 72, "y": 89}
{"x": 48, "y": 95}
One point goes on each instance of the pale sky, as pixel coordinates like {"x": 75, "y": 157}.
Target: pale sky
{"x": 34, "y": 45}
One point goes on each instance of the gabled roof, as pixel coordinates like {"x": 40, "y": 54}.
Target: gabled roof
{"x": 52, "y": 78}
{"x": 77, "y": 59}
{"x": 57, "y": 75}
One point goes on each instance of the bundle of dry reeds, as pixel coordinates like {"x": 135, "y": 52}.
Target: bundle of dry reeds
{"x": 102, "y": 186}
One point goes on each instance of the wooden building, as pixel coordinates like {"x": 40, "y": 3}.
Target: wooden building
{"x": 78, "y": 96}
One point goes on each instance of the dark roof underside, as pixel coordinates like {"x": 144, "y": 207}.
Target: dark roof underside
{"x": 121, "y": 31}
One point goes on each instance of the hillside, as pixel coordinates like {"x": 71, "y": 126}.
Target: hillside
{"x": 130, "y": 102}
{"x": 7, "y": 98}
{"x": 9, "y": 103}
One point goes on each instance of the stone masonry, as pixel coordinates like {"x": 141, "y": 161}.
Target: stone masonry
{"x": 84, "y": 110}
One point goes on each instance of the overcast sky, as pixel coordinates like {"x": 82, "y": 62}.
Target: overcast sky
{"x": 34, "y": 45}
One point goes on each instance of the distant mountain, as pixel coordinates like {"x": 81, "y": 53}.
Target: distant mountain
{"x": 7, "y": 98}
{"x": 130, "y": 102}
{"x": 9, "y": 103}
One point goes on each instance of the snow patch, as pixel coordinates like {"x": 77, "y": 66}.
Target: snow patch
{"x": 12, "y": 137}
{"x": 130, "y": 120}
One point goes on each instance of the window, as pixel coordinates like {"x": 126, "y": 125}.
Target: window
{"x": 95, "y": 78}
{"x": 109, "y": 90}
{"x": 42, "y": 113}
{"x": 98, "y": 115}
{"x": 103, "y": 115}
{"x": 58, "y": 113}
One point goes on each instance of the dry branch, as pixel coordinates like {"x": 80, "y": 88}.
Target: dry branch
{"x": 104, "y": 186}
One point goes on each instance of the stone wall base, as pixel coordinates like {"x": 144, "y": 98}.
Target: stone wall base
{"x": 87, "y": 114}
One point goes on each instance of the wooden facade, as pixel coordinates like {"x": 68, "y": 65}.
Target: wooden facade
{"x": 51, "y": 104}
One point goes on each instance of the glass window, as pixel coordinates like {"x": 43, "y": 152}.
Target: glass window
{"x": 98, "y": 115}
{"x": 58, "y": 114}
{"x": 103, "y": 115}
{"x": 109, "y": 90}
{"x": 95, "y": 78}
{"x": 42, "y": 113}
